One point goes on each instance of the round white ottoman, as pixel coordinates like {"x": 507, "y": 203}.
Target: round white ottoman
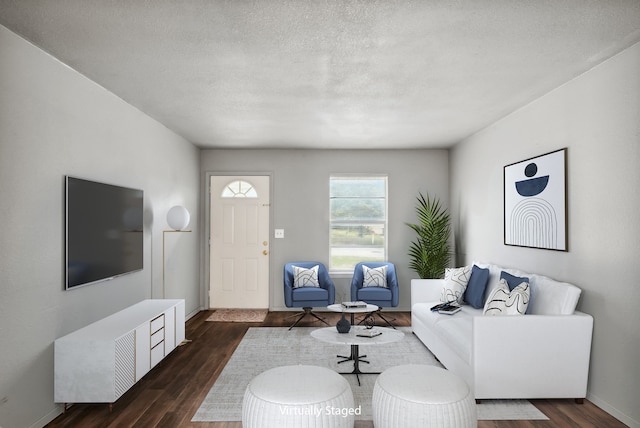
{"x": 422, "y": 396}
{"x": 298, "y": 396}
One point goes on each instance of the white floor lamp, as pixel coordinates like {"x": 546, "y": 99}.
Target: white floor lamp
{"x": 178, "y": 219}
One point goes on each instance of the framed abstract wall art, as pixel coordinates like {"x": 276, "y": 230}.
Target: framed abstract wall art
{"x": 535, "y": 202}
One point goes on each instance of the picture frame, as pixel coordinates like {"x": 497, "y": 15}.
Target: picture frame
{"x": 535, "y": 202}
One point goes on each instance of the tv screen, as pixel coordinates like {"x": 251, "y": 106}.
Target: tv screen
{"x": 104, "y": 231}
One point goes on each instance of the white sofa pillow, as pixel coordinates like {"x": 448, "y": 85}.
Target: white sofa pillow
{"x": 455, "y": 282}
{"x": 305, "y": 277}
{"x": 501, "y": 301}
{"x": 374, "y": 277}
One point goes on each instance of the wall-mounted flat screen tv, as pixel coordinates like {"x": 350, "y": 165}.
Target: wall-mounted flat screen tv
{"x": 104, "y": 231}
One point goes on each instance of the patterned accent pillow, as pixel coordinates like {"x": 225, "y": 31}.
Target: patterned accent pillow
{"x": 501, "y": 301}
{"x": 375, "y": 277}
{"x": 305, "y": 277}
{"x": 455, "y": 282}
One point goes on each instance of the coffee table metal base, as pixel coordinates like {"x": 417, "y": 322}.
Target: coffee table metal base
{"x": 357, "y": 359}
{"x": 354, "y": 340}
{"x": 352, "y": 357}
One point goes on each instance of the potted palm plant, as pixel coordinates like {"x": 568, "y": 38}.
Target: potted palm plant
{"x": 430, "y": 252}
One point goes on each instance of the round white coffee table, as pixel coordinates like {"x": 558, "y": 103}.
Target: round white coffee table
{"x": 337, "y": 307}
{"x": 331, "y": 335}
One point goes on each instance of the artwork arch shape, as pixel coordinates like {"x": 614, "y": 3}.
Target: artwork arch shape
{"x": 534, "y": 223}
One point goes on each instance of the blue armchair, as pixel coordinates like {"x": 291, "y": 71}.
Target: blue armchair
{"x": 383, "y": 293}
{"x": 301, "y": 292}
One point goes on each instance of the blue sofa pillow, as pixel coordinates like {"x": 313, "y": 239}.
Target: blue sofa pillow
{"x": 474, "y": 294}
{"x": 512, "y": 280}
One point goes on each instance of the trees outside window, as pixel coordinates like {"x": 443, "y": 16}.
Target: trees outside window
{"x": 358, "y": 221}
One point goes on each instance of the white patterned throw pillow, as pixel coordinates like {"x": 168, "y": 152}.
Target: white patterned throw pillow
{"x": 374, "y": 277}
{"x": 455, "y": 282}
{"x": 501, "y": 301}
{"x": 303, "y": 277}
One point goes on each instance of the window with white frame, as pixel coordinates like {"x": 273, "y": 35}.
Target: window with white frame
{"x": 358, "y": 221}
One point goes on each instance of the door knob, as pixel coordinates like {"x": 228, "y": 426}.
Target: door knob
{"x": 265, "y": 252}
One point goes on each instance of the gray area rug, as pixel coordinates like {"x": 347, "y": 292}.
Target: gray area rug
{"x": 263, "y": 348}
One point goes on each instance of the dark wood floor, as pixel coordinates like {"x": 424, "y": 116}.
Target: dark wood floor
{"x": 170, "y": 394}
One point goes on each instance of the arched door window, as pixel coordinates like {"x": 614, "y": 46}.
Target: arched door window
{"x": 239, "y": 189}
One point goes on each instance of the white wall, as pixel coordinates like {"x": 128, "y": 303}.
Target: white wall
{"x": 300, "y": 201}
{"x": 597, "y": 117}
{"x": 54, "y": 122}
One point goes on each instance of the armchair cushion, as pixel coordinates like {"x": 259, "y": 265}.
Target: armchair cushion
{"x": 306, "y": 294}
{"x": 303, "y": 277}
{"x": 374, "y": 277}
{"x": 374, "y": 294}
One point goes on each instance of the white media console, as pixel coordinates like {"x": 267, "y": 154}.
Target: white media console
{"x": 100, "y": 362}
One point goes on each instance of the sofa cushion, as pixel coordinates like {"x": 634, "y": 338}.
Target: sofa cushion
{"x": 305, "y": 277}
{"x": 455, "y": 282}
{"x": 475, "y": 292}
{"x": 551, "y": 297}
{"x": 547, "y": 297}
{"x": 455, "y": 330}
{"x": 503, "y": 301}
{"x": 374, "y": 277}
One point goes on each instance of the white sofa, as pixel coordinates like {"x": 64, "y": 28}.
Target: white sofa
{"x": 543, "y": 354}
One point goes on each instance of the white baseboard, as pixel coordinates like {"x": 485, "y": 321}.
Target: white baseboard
{"x": 51, "y": 415}
{"x": 625, "y": 419}
{"x": 322, "y": 309}
{"x": 193, "y": 314}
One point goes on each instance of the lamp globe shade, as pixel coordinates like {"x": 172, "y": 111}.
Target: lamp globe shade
{"x": 178, "y": 217}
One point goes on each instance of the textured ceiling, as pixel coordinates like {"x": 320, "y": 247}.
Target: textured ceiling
{"x": 331, "y": 73}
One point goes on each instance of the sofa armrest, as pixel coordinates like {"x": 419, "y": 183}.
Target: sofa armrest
{"x": 426, "y": 290}
{"x": 532, "y": 356}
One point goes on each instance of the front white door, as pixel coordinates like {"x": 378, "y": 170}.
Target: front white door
{"x": 239, "y": 242}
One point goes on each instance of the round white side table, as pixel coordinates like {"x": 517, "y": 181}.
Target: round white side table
{"x": 337, "y": 307}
